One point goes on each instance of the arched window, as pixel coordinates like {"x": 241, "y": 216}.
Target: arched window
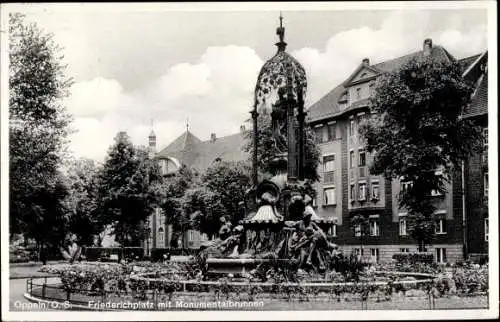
{"x": 161, "y": 235}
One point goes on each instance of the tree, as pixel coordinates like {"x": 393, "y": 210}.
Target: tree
{"x": 128, "y": 189}
{"x": 205, "y": 209}
{"x": 173, "y": 189}
{"x": 267, "y": 150}
{"x": 82, "y": 201}
{"x": 229, "y": 182}
{"x": 38, "y": 129}
{"x": 417, "y": 129}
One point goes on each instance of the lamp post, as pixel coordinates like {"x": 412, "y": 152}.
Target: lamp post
{"x": 255, "y": 115}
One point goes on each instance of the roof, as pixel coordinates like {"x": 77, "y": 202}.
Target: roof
{"x": 197, "y": 154}
{"x": 468, "y": 61}
{"x": 186, "y": 139}
{"x": 479, "y": 102}
{"x": 328, "y": 105}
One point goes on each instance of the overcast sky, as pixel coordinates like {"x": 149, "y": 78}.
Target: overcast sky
{"x": 133, "y": 66}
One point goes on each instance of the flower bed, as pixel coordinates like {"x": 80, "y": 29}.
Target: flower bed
{"x": 153, "y": 281}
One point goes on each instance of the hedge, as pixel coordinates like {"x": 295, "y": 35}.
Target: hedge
{"x": 98, "y": 253}
{"x": 412, "y": 258}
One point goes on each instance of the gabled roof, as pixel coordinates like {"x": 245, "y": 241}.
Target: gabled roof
{"x": 357, "y": 70}
{"x": 328, "y": 105}
{"x": 197, "y": 154}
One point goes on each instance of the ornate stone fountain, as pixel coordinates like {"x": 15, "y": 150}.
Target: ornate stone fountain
{"x": 298, "y": 234}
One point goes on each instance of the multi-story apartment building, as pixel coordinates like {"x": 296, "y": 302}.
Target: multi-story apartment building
{"x": 347, "y": 188}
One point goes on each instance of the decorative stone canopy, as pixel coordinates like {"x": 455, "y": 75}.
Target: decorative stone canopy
{"x": 278, "y": 72}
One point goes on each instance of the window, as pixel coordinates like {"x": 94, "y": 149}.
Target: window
{"x": 329, "y": 195}
{"x": 358, "y": 93}
{"x": 352, "y": 130}
{"x": 485, "y": 139}
{"x": 402, "y": 227}
{"x": 404, "y": 250}
{"x": 441, "y": 255}
{"x": 486, "y": 228}
{"x": 374, "y": 254}
{"x": 324, "y": 135}
{"x": 319, "y": 132}
{"x": 164, "y": 166}
{"x": 328, "y": 163}
{"x": 372, "y": 89}
{"x": 375, "y": 190}
{"x": 191, "y": 235}
{"x": 351, "y": 159}
{"x": 374, "y": 227}
{"x": 333, "y": 230}
{"x": 362, "y": 158}
{"x": 357, "y": 230}
{"x": 332, "y": 135}
{"x": 362, "y": 191}
{"x": 161, "y": 235}
{"x": 485, "y": 180}
{"x": 358, "y": 251}
{"x": 405, "y": 186}
{"x": 352, "y": 194}
{"x": 441, "y": 226}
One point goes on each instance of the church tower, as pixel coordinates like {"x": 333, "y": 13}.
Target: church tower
{"x": 152, "y": 143}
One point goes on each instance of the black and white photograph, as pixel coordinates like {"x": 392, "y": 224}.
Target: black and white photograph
{"x": 237, "y": 161}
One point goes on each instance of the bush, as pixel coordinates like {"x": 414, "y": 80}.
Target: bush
{"x": 349, "y": 266}
{"x": 413, "y": 258}
{"x": 88, "y": 278}
{"x": 469, "y": 280}
{"x": 102, "y": 253}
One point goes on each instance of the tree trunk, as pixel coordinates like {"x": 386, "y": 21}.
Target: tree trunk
{"x": 43, "y": 257}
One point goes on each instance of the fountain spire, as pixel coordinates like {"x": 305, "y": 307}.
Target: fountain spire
{"x": 280, "y": 31}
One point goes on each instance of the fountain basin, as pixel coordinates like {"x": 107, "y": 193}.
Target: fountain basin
{"x": 238, "y": 265}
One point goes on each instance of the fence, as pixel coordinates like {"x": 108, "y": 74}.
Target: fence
{"x": 284, "y": 296}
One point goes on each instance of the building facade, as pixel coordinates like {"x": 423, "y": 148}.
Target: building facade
{"x": 347, "y": 188}
{"x": 475, "y": 169}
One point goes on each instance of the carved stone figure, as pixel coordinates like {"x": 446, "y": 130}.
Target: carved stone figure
{"x": 231, "y": 246}
{"x": 225, "y": 229}
{"x": 279, "y": 122}
{"x": 308, "y": 243}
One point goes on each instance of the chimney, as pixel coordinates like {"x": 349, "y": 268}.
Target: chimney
{"x": 366, "y": 61}
{"x": 242, "y": 128}
{"x": 427, "y": 46}
{"x": 212, "y": 138}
